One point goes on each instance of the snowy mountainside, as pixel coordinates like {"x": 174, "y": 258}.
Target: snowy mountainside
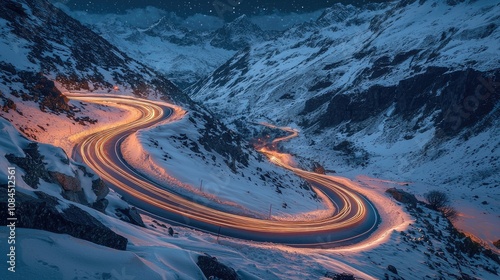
{"x": 47, "y": 41}
{"x": 37, "y": 106}
{"x": 406, "y": 91}
{"x": 436, "y": 251}
{"x": 55, "y": 193}
{"x": 245, "y": 184}
{"x": 33, "y": 103}
{"x": 349, "y": 50}
{"x": 185, "y": 50}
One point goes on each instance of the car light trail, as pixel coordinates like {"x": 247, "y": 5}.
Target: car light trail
{"x": 354, "y": 220}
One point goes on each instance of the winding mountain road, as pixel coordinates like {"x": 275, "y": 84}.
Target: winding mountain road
{"x": 355, "y": 218}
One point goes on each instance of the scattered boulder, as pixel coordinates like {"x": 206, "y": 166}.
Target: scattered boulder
{"x": 339, "y": 276}
{"x": 392, "y": 269}
{"x": 213, "y": 269}
{"x": 72, "y": 189}
{"x": 130, "y": 215}
{"x": 8, "y": 105}
{"x": 100, "y": 205}
{"x": 318, "y": 168}
{"x": 402, "y": 196}
{"x": 100, "y": 189}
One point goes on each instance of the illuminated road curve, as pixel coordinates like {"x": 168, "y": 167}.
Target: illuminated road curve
{"x": 354, "y": 219}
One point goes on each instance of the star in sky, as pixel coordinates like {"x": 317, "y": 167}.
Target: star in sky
{"x": 208, "y": 7}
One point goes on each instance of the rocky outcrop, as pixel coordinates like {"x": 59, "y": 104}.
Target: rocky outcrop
{"x": 44, "y": 212}
{"x": 497, "y": 243}
{"x": 71, "y": 186}
{"x": 318, "y": 168}
{"x": 32, "y": 162}
{"x": 403, "y": 197}
{"x": 213, "y": 269}
{"x": 130, "y": 215}
{"x": 99, "y": 188}
{"x": 462, "y": 98}
{"x": 51, "y": 97}
{"x": 68, "y": 183}
{"x": 215, "y": 136}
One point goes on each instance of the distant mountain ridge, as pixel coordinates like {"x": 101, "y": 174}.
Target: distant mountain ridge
{"x": 352, "y": 54}
{"x": 41, "y": 45}
{"x": 184, "y": 53}
{"x": 406, "y": 90}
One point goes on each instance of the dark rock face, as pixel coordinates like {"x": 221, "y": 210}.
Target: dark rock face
{"x": 45, "y": 25}
{"x": 42, "y": 213}
{"x": 32, "y": 162}
{"x": 100, "y": 189}
{"x": 51, "y": 97}
{"x": 403, "y": 196}
{"x": 213, "y": 268}
{"x": 461, "y": 97}
{"x": 71, "y": 187}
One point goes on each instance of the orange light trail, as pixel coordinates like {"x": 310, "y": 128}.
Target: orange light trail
{"x": 356, "y": 218}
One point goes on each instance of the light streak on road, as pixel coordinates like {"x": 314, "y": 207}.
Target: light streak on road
{"x": 354, "y": 219}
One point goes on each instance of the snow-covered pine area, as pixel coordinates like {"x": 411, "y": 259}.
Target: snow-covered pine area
{"x": 382, "y": 91}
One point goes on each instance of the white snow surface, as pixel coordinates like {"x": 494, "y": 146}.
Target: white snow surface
{"x": 467, "y": 167}
{"x": 182, "y": 50}
{"x": 152, "y": 253}
{"x": 161, "y": 154}
{"x": 295, "y": 62}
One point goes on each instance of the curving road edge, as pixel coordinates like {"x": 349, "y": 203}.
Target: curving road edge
{"x": 354, "y": 220}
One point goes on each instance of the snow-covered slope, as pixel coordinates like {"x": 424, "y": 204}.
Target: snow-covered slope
{"x": 36, "y": 106}
{"x": 349, "y": 50}
{"x": 33, "y": 104}
{"x": 185, "y": 50}
{"x": 435, "y": 251}
{"x": 47, "y": 41}
{"x": 406, "y": 91}
{"x": 244, "y": 183}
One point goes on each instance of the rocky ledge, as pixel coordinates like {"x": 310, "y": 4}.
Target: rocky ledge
{"x": 45, "y": 212}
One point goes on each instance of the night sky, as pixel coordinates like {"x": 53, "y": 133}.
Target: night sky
{"x": 222, "y": 8}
